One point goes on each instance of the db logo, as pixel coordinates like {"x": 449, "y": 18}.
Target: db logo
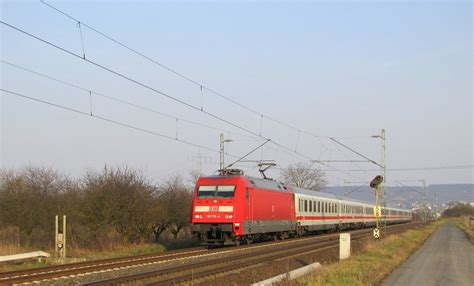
{"x": 214, "y": 208}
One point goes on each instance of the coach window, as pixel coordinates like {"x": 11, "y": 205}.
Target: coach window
{"x": 325, "y": 207}
{"x": 310, "y": 206}
{"x": 305, "y": 205}
{"x": 314, "y": 206}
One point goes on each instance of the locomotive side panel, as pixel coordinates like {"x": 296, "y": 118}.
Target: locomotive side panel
{"x": 268, "y": 211}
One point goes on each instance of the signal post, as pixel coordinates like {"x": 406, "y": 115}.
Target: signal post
{"x": 375, "y": 184}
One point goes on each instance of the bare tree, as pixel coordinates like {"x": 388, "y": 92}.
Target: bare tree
{"x": 30, "y": 198}
{"x": 119, "y": 199}
{"x": 178, "y": 199}
{"x": 304, "y": 176}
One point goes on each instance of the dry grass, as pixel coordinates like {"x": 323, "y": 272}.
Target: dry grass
{"x": 467, "y": 225}
{"x": 378, "y": 260}
{"x": 10, "y": 241}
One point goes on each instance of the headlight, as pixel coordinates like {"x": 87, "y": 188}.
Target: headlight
{"x": 198, "y": 216}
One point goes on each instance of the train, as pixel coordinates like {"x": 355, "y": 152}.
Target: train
{"x": 235, "y": 209}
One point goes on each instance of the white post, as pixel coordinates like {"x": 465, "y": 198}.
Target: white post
{"x": 64, "y": 236}
{"x": 344, "y": 245}
{"x": 56, "y": 237}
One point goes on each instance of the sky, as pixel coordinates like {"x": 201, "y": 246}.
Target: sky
{"x": 344, "y": 69}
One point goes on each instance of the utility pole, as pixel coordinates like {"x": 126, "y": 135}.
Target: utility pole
{"x": 199, "y": 163}
{"x": 221, "y": 157}
{"x": 221, "y": 153}
{"x": 383, "y": 167}
{"x": 424, "y": 200}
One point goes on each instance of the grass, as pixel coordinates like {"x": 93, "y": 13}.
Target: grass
{"x": 467, "y": 226}
{"x": 375, "y": 263}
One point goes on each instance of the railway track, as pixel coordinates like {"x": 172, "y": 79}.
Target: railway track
{"x": 174, "y": 275}
{"x": 44, "y": 273}
{"x": 235, "y": 258}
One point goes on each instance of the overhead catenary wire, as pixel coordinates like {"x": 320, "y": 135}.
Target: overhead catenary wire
{"x": 90, "y": 92}
{"x": 245, "y": 156}
{"x": 134, "y": 81}
{"x": 197, "y": 83}
{"x": 358, "y": 153}
{"x": 179, "y": 74}
{"x": 353, "y": 163}
{"x": 157, "y": 91}
{"x": 109, "y": 120}
{"x": 433, "y": 168}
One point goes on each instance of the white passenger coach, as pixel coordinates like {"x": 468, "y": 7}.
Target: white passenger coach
{"x": 323, "y": 211}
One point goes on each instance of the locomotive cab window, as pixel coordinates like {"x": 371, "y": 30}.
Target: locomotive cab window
{"x": 225, "y": 191}
{"x": 216, "y": 191}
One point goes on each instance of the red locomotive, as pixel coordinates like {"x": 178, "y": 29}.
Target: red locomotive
{"x": 230, "y": 209}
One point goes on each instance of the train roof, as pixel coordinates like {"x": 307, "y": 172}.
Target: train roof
{"x": 315, "y": 193}
{"x": 328, "y": 195}
{"x": 279, "y": 187}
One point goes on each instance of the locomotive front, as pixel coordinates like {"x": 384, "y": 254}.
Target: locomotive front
{"x": 217, "y": 213}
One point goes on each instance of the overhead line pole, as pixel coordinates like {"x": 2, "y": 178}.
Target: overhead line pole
{"x": 384, "y": 174}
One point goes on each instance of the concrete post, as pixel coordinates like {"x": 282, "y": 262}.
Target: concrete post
{"x": 344, "y": 245}
{"x": 64, "y": 236}
{"x": 56, "y": 236}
